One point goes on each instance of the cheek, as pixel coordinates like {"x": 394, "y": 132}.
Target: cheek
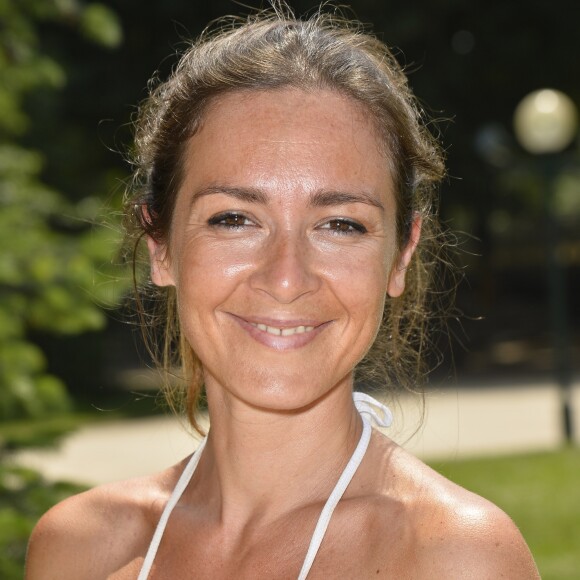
{"x": 369, "y": 260}
{"x": 213, "y": 263}
{"x": 359, "y": 279}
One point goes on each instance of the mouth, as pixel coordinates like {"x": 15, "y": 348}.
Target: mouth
{"x": 284, "y": 331}
{"x": 281, "y": 335}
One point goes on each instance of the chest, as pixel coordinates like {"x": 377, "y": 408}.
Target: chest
{"x": 355, "y": 546}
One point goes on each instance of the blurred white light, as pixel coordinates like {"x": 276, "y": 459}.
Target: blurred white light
{"x": 545, "y": 121}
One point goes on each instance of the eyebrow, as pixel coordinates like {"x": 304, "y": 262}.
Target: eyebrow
{"x": 325, "y": 198}
{"x": 249, "y": 194}
{"x": 321, "y": 198}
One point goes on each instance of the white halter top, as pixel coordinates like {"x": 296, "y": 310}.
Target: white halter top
{"x": 368, "y": 407}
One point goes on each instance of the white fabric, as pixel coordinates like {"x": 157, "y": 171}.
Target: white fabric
{"x": 175, "y": 496}
{"x": 366, "y": 405}
{"x": 368, "y": 408}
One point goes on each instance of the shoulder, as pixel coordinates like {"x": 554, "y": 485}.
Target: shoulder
{"x": 468, "y": 536}
{"x": 97, "y": 532}
{"x": 452, "y": 532}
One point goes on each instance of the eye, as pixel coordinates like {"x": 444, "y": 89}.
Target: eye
{"x": 342, "y": 226}
{"x": 230, "y": 220}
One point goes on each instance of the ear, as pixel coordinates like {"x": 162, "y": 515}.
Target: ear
{"x": 396, "y": 284}
{"x": 161, "y": 274}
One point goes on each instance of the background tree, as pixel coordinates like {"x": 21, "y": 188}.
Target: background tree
{"x": 53, "y": 264}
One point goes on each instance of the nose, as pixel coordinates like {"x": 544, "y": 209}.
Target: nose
{"x": 286, "y": 271}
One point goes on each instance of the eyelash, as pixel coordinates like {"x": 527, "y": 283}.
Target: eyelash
{"x": 353, "y": 228}
{"x": 338, "y": 226}
{"x": 221, "y": 221}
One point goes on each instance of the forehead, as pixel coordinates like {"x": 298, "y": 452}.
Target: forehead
{"x": 287, "y": 138}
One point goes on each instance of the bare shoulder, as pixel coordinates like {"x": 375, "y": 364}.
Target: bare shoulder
{"x": 468, "y": 536}
{"x": 455, "y": 533}
{"x": 98, "y": 532}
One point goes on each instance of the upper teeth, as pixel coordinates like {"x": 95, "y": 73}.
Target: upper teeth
{"x": 283, "y": 331}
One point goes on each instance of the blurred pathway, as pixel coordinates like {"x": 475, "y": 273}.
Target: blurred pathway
{"x": 474, "y": 420}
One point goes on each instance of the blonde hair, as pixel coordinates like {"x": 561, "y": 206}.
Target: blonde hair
{"x": 268, "y": 51}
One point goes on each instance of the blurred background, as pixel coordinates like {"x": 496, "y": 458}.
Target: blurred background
{"x": 71, "y": 75}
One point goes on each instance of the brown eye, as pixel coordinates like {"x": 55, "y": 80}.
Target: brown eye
{"x": 344, "y": 227}
{"x": 230, "y": 220}
{"x": 233, "y": 220}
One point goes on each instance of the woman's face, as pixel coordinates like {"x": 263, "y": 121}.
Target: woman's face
{"x": 283, "y": 245}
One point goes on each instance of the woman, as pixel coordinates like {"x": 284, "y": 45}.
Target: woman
{"x": 285, "y": 190}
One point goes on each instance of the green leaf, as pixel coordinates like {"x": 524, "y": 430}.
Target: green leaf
{"x": 52, "y": 260}
{"x": 100, "y": 24}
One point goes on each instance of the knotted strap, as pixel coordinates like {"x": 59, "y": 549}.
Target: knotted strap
{"x": 368, "y": 407}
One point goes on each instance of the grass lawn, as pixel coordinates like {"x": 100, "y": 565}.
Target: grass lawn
{"x": 541, "y": 492}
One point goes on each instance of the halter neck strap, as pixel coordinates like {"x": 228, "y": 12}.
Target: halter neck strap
{"x": 370, "y": 410}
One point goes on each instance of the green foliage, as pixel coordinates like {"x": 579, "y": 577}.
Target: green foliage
{"x": 115, "y": 405}
{"x": 24, "y": 497}
{"x": 43, "y": 432}
{"x": 541, "y": 493}
{"x": 54, "y": 263}
{"x": 100, "y": 24}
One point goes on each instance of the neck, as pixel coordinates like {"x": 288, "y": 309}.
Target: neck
{"x": 261, "y": 463}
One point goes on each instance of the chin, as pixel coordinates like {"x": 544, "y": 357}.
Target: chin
{"x": 290, "y": 393}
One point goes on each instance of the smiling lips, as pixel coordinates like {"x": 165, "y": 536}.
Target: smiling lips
{"x": 279, "y": 335}
{"x": 282, "y": 331}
